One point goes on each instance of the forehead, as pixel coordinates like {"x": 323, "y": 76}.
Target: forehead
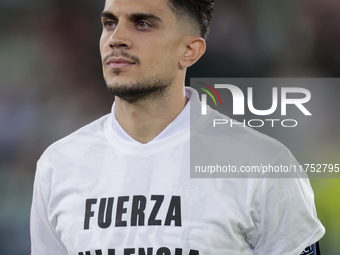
{"x": 159, "y": 8}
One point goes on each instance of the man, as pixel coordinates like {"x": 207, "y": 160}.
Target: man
{"x": 121, "y": 185}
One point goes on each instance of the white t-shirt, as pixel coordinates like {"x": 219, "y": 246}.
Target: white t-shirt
{"x": 96, "y": 192}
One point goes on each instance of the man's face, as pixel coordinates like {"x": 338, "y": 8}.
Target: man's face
{"x": 140, "y": 43}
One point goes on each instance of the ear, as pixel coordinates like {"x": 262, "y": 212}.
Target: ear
{"x": 194, "y": 49}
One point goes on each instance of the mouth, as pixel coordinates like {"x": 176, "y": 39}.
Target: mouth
{"x": 118, "y": 63}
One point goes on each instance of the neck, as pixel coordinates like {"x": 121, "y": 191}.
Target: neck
{"x": 145, "y": 119}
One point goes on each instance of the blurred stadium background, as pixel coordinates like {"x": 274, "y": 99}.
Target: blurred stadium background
{"x": 51, "y": 84}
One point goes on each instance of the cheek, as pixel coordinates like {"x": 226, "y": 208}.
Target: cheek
{"x": 101, "y": 50}
{"x": 102, "y": 45}
{"x": 172, "y": 52}
{"x": 162, "y": 60}
{"x": 160, "y": 56}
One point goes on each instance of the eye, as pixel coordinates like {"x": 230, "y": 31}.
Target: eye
{"x": 109, "y": 24}
{"x": 143, "y": 25}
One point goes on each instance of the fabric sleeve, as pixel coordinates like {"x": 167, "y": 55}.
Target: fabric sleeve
{"x": 284, "y": 216}
{"x": 44, "y": 239}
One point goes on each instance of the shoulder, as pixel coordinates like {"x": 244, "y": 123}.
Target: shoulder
{"x": 237, "y": 145}
{"x": 74, "y": 145}
{"x": 238, "y": 136}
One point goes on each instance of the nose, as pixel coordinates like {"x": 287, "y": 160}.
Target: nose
{"x": 120, "y": 37}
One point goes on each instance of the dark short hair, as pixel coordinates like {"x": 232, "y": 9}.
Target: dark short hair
{"x": 200, "y": 12}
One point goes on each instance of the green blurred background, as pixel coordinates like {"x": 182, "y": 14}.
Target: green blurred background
{"x": 51, "y": 84}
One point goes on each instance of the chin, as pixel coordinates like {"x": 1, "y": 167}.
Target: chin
{"x": 117, "y": 78}
{"x": 117, "y": 81}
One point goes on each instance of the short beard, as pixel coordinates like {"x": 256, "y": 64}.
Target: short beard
{"x": 151, "y": 88}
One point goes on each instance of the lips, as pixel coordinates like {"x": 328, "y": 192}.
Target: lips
{"x": 116, "y": 63}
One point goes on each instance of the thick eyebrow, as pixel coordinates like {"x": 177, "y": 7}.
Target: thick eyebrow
{"x": 108, "y": 15}
{"x": 144, "y": 16}
{"x": 133, "y": 17}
